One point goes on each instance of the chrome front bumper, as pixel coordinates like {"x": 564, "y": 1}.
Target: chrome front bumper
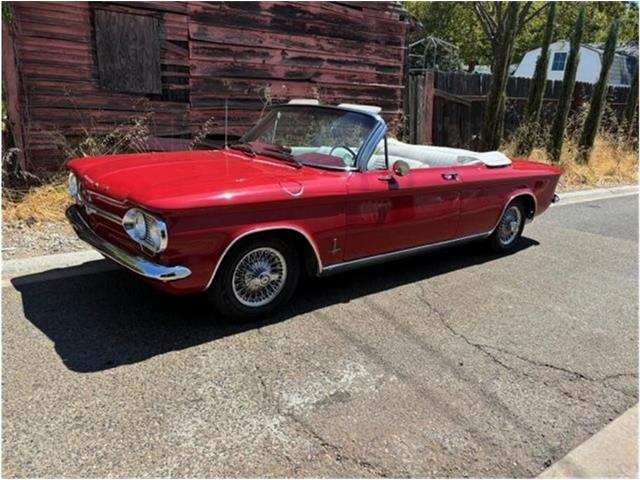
{"x": 135, "y": 263}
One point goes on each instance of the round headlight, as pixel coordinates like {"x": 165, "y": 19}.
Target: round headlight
{"x": 134, "y": 224}
{"x": 73, "y": 185}
{"x": 145, "y": 229}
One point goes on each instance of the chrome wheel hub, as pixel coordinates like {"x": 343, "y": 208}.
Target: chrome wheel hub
{"x": 509, "y": 225}
{"x": 259, "y": 277}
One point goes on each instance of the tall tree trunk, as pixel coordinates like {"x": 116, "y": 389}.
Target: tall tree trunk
{"x": 537, "y": 88}
{"x": 599, "y": 98}
{"x": 496, "y": 102}
{"x": 554, "y": 147}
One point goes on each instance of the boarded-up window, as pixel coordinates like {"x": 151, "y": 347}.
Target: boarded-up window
{"x": 128, "y": 51}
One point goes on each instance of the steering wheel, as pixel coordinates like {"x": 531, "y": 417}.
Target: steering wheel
{"x": 351, "y": 152}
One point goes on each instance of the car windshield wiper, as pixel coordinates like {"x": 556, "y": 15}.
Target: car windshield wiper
{"x": 279, "y": 152}
{"x": 346, "y": 168}
{"x": 244, "y": 147}
{"x": 283, "y": 156}
{"x": 270, "y": 150}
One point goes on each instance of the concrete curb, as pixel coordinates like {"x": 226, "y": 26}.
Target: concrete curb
{"x": 610, "y": 453}
{"x": 592, "y": 194}
{"x": 47, "y": 262}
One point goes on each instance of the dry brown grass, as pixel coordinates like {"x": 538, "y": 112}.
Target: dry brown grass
{"x": 39, "y": 204}
{"x": 612, "y": 162}
{"x": 48, "y": 199}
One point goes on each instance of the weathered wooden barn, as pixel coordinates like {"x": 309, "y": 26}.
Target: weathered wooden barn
{"x": 73, "y": 67}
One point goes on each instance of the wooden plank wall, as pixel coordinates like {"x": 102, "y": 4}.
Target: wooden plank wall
{"x": 251, "y": 54}
{"x": 256, "y": 53}
{"x": 458, "y": 108}
{"x": 59, "y": 75}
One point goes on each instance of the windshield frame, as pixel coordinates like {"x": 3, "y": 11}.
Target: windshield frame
{"x": 368, "y": 146}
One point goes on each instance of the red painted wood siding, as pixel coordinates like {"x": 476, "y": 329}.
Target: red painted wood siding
{"x": 250, "y": 53}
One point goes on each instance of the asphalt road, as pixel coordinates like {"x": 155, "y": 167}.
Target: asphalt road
{"x": 455, "y": 363}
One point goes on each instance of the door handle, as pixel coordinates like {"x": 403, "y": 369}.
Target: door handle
{"x": 386, "y": 178}
{"x": 450, "y": 176}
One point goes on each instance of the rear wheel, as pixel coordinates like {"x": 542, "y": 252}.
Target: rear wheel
{"x": 255, "y": 278}
{"x": 509, "y": 230}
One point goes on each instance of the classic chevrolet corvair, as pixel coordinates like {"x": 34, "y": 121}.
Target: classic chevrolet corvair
{"x": 310, "y": 189}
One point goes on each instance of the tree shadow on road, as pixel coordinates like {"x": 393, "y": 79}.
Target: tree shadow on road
{"x": 104, "y": 320}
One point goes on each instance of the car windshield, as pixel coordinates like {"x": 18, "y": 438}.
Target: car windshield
{"x": 313, "y": 136}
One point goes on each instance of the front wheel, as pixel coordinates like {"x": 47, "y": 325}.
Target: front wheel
{"x": 255, "y": 278}
{"x": 509, "y": 230}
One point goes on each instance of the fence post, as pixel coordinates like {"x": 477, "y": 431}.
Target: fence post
{"x": 426, "y": 128}
{"x": 410, "y": 109}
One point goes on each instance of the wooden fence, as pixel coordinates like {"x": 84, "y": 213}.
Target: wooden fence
{"x": 447, "y": 108}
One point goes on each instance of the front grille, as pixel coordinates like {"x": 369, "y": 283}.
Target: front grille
{"x": 101, "y": 205}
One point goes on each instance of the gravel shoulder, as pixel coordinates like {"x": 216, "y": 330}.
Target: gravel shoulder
{"x": 23, "y": 240}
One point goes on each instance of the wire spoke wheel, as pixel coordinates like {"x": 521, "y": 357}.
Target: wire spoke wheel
{"x": 259, "y": 277}
{"x": 510, "y": 225}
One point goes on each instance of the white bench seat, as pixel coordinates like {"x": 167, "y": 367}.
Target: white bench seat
{"x": 426, "y": 156}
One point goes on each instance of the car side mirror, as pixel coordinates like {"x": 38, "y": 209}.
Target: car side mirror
{"x": 400, "y": 168}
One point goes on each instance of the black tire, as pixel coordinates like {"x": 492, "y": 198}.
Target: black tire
{"x": 228, "y": 302}
{"x": 496, "y": 241}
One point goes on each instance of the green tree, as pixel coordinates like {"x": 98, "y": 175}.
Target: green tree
{"x": 537, "y": 88}
{"x": 7, "y": 12}
{"x": 501, "y": 23}
{"x": 592, "y": 122}
{"x": 456, "y": 22}
{"x": 554, "y": 147}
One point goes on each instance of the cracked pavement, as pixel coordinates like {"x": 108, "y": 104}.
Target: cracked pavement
{"x": 456, "y": 363}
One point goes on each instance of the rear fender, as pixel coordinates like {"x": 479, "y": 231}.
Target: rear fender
{"x": 528, "y": 196}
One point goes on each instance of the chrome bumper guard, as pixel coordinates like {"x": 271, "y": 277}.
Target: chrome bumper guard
{"x": 135, "y": 263}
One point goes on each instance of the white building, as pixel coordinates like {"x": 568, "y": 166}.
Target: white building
{"x": 588, "y": 67}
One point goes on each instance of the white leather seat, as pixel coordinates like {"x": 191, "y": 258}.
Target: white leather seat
{"x": 425, "y": 156}
{"x": 377, "y": 162}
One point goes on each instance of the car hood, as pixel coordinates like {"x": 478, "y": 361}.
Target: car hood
{"x": 178, "y": 180}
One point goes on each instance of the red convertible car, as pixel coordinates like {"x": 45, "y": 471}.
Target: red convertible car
{"x": 311, "y": 189}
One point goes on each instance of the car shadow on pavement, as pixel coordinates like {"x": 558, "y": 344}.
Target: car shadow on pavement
{"x": 103, "y": 320}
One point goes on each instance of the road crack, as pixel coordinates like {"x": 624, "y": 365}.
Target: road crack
{"x": 487, "y": 351}
{"x": 334, "y": 451}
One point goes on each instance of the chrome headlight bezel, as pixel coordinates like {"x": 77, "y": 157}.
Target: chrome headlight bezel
{"x": 146, "y": 230}
{"x": 72, "y": 185}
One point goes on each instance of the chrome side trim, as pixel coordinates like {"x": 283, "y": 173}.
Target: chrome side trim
{"x": 384, "y": 257}
{"x": 265, "y": 229}
{"x": 135, "y": 263}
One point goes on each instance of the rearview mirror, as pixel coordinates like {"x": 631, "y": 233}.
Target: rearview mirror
{"x": 400, "y": 168}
